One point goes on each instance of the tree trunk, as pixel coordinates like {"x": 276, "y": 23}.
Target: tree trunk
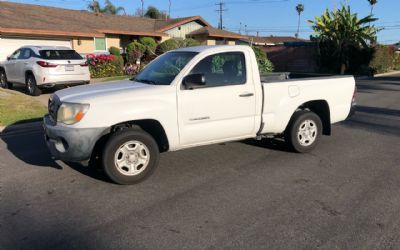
{"x": 342, "y": 68}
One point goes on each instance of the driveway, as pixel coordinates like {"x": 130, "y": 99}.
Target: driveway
{"x": 241, "y": 195}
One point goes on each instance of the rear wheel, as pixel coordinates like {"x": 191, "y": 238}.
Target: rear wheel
{"x": 3, "y": 81}
{"x": 304, "y": 131}
{"x": 31, "y": 86}
{"x": 130, "y": 156}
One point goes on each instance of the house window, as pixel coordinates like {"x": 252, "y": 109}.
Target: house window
{"x": 100, "y": 44}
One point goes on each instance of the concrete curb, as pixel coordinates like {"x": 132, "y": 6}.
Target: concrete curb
{"x": 24, "y": 127}
{"x": 388, "y": 73}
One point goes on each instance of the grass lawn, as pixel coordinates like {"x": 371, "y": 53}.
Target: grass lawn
{"x": 16, "y": 107}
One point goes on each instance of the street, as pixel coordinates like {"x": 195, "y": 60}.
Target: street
{"x": 239, "y": 195}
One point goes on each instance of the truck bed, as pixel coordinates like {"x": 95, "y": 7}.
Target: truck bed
{"x": 283, "y": 97}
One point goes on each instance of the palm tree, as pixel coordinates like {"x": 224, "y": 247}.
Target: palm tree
{"x": 372, "y": 3}
{"x": 109, "y": 8}
{"x": 299, "y": 9}
{"x": 344, "y": 31}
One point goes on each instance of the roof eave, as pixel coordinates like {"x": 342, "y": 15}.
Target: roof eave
{"x": 19, "y": 31}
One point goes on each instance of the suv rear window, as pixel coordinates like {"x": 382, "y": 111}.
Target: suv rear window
{"x": 60, "y": 55}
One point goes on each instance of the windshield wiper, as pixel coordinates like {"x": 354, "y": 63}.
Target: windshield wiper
{"x": 146, "y": 81}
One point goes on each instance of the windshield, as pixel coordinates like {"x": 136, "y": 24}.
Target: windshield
{"x": 164, "y": 69}
{"x": 60, "y": 55}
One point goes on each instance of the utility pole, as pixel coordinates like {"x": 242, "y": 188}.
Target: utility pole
{"x": 142, "y": 8}
{"x": 220, "y": 10}
{"x": 240, "y": 28}
{"x": 169, "y": 9}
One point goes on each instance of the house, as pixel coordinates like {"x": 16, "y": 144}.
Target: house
{"x": 287, "y": 53}
{"x": 87, "y": 32}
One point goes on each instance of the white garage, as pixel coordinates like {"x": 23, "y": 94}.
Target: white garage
{"x": 9, "y": 44}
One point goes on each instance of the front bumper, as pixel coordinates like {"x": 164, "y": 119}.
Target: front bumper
{"x": 70, "y": 144}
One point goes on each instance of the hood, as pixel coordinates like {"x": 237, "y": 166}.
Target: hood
{"x": 93, "y": 91}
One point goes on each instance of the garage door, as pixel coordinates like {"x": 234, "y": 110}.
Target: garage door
{"x": 8, "y": 44}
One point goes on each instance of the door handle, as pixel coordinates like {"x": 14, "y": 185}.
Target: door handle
{"x": 246, "y": 94}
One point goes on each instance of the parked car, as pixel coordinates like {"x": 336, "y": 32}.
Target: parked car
{"x": 43, "y": 66}
{"x": 186, "y": 98}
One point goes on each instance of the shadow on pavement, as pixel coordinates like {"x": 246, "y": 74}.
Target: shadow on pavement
{"x": 376, "y": 119}
{"x": 28, "y": 145}
{"x": 273, "y": 144}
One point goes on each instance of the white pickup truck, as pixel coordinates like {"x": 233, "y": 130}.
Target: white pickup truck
{"x": 186, "y": 98}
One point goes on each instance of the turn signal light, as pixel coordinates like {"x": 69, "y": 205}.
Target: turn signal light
{"x": 84, "y": 64}
{"x": 46, "y": 64}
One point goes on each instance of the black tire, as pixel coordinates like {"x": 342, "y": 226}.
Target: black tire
{"x": 295, "y": 139}
{"x": 3, "y": 80}
{"x": 121, "y": 175}
{"x": 31, "y": 86}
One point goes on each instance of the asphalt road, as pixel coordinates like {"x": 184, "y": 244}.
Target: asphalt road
{"x": 241, "y": 195}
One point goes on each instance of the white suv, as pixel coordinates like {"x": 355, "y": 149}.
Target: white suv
{"x": 43, "y": 66}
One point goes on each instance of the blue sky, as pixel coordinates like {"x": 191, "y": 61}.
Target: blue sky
{"x": 269, "y": 17}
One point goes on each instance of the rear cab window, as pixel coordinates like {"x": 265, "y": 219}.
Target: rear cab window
{"x": 60, "y": 55}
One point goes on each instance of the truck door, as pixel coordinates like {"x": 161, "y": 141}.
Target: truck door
{"x": 224, "y": 108}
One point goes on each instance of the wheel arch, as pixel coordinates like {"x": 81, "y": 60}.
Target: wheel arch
{"x": 321, "y": 108}
{"x": 28, "y": 73}
{"x": 151, "y": 126}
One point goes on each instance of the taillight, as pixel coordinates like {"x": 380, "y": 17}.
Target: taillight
{"x": 354, "y": 95}
{"x": 85, "y": 64}
{"x": 46, "y": 64}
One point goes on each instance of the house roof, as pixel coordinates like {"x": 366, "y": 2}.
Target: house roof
{"x": 43, "y": 20}
{"x": 163, "y": 25}
{"x": 272, "y": 40}
{"x": 213, "y": 32}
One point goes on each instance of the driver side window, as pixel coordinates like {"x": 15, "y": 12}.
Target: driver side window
{"x": 222, "y": 69}
{"x": 15, "y": 55}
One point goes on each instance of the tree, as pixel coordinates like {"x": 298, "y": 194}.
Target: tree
{"x": 372, "y": 3}
{"x": 343, "y": 31}
{"x": 299, "y": 9}
{"x": 109, "y": 8}
{"x": 153, "y": 12}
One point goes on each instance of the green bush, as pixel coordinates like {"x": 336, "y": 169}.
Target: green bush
{"x": 114, "y": 51}
{"x": 264, "y": 65}
{"x": 175, "y": 43}
{"x": 383, "y": 59}
{"x": 149, "y": 43}
{"x": 135, "y": 51}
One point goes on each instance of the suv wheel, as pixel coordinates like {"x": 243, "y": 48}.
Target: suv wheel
{"x": 304, "y": 131}
{"x": 130, "y": 156}
{"x": 31, "y": 86}
{"x": 3, "y": 81}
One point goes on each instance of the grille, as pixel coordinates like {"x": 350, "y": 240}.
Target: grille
{"x": 54, "y": 104}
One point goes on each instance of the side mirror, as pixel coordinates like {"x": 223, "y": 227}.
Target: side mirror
{"x": 194, "y": 81}
{"x": 8, "y": 58}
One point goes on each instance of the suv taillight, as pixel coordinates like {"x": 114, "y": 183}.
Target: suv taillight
{"x": 85, "y": 64}
{"x": 353, "y": 101}
{"x": 46, "y": 64}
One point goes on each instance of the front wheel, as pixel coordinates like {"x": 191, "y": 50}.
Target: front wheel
{"x": 304, "y": 131}
{"x": 130, "y": 156}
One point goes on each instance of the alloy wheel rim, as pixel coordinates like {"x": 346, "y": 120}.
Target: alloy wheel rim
{"x": 30, "y": 87}
{"x": 132, "y": 158}
{"x": 307, "y": 133}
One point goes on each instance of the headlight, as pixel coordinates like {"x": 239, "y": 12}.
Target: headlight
{"x": 71, "y": 113}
